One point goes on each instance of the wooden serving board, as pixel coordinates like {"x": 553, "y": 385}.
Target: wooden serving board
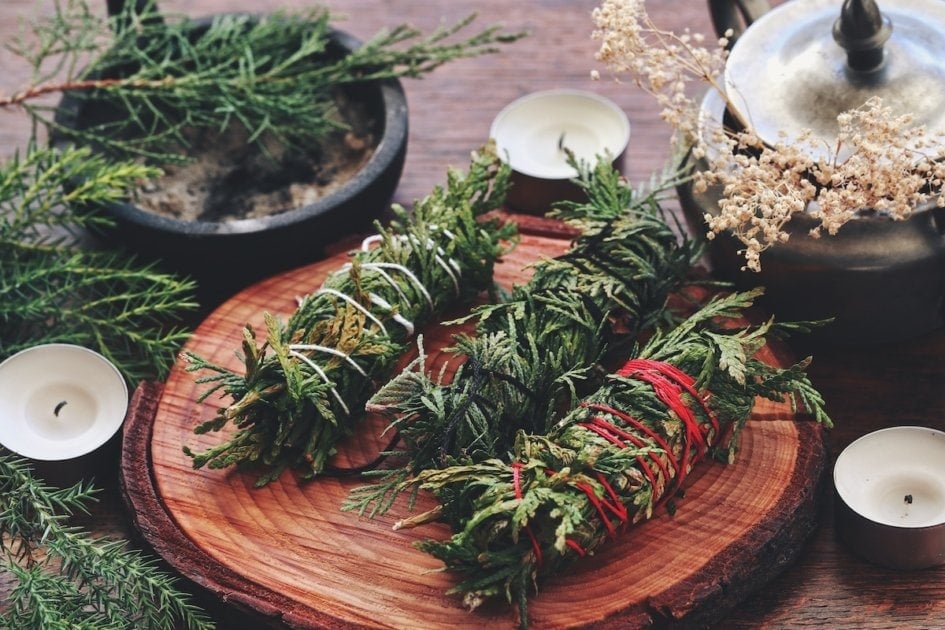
{"x": 288, "y": 553}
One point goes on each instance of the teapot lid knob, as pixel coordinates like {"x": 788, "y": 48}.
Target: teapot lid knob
{"x": 862, "y": 30}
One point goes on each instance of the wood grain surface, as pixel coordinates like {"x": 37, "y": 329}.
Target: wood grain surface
{"x": 287, "y": 551}
{"x": 866, "y": 388}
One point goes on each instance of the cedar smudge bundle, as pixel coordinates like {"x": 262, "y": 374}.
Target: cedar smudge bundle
{"x": 616, "y": 457}
{"x": 304, "y": 387}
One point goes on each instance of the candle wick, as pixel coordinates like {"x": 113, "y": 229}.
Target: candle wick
{"x": 561, "y": 142}
{"x": 59, "y": 408}
{"x": 908, "y": 499}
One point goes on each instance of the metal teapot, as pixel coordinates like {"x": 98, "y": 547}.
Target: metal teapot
{"x": 797, "y": 66}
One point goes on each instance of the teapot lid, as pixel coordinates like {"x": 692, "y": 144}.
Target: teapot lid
{"x": 804, "y": 62}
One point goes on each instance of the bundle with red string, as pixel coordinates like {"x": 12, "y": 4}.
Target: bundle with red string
{"x": 615, "y": 458}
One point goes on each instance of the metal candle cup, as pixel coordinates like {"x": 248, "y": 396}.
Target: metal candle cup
{"x": 59, "y": 402}
{"x": 533, "y": 133}
{"x": 890, "y": 490}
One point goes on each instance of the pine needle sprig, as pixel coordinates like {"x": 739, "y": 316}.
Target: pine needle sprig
{"x": 58, "y": 44}
{"x": 304, "y": 386}
{"x": 40, "y": 189}
{"x": 566, "y": 493}
{"x": 532, "y": 354}
{"x": 53, "y": 289}
{"x": 379, "y": 55}
{"x": 66, "y": 579}
{"x": 161, "y": 78}
{"x": 101, "y": 300}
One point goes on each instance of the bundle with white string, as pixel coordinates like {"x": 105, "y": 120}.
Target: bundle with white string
{"x": 304, "y": 387}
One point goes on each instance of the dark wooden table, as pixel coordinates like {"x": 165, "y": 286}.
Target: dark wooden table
{"x": 866, "y": 388}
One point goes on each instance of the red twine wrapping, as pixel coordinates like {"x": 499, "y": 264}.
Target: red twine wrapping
{"x": 576, "y": 547}
{"x": 669, "y": 383}
{"x": 517, "y": 485}
{"x": 648, "y": 370}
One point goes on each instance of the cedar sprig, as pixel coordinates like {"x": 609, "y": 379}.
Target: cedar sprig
{"x": 496, "y": 519}
{"x": 65, "y": 579}
{"x": 293, "y": 400}
{"x": 53, "y": 288}
{"x": 533, "y": 353}
{"x": 40, "y": 188}
{"x": 158, "y": 83}
{"x": 100, "y": 300}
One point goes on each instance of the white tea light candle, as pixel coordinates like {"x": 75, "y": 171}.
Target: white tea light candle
{"x": 891, "y": 496}
{"x": 532, "y": 132}
{"x": 59, "y": 401}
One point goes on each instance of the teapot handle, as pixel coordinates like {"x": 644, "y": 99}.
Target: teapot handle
{"x": 726, "y": 14}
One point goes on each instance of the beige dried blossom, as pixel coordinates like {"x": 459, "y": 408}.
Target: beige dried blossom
{"x": 882, "y": 163}
{"x": 661, "y": 62}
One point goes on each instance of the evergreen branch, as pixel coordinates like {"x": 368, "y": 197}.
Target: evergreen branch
{"x": 379, "y": 59}
{"x": 303, "y": 388}
{"x": 58, "y": 43}
{"x": 52, "y": 290}
{"x": 39, "y": 189}
{"x": 163, "y": 80}
{"x": 95, "y": 299}
{"x": 41, "y": 600}
{"x": 52, "y": 87}
{"x": 79, "y": 582}
{"x": 378, "y": 497}
{"x": 611, "y": 461}
{"x": 610, "y": 286}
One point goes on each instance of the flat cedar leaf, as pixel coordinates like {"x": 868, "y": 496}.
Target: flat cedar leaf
{"x": 528, "y": 506}
{"x": 405, "y": 385}
{"x": 569, "y": 515}
{"x": 495, "y": 509}
{"x": 433, "y": 478}
{"x": 794, "y": 384}
{"x": 732, "y": 355}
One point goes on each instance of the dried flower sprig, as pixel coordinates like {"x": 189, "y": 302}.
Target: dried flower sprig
{"x": 882, "y": 162}
{"x": 661, "y": 62}
{"x": 532, "y": 354}
{"x": 304, "y": 387}
{"x": 612, "y": 460}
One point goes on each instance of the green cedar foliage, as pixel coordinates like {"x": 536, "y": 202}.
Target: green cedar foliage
{"x": 65, "y": 579}
{"x": 304, "y": 386}
{"x": 496, "y": 518}
{"x": 534, "y": 353}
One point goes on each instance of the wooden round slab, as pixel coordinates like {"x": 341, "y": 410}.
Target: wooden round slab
{"x": 286, "y": 551}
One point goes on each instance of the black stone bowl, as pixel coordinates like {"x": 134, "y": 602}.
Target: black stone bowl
{"x": 226, "y": 255}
